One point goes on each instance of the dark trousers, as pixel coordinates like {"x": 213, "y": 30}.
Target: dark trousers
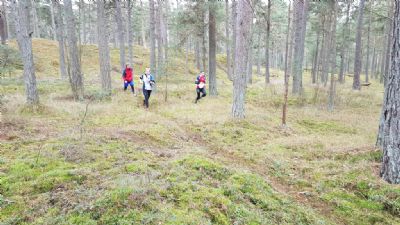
{"x": 200, "y": 90}
{"x": 146, "y": 94}
{"x": 129, "y": 83}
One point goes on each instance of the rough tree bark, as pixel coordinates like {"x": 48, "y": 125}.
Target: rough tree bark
{"x": 212, "y": 45}
{"x": 59, "y": 26}
{"x": 390, "y": 127}
{"x": 300, "y": 8}
{"x": 332, "y": 57}
{"x": 367, "y": 61}
{"x": 21, "y": 10}
{"x": 357, "y": 58}
{"x": 104, "y": 51}
{"x": 233, "y": 20}
{"x": 243, "y": 23}
{"x": 121, "y": 34}
{"x": 75, "y": 75}
{"x": 388, "y": 42}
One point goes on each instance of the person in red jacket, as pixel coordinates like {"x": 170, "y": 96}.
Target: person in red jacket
{"x": 200, "y": 86}
{"x": 127, "y": 76}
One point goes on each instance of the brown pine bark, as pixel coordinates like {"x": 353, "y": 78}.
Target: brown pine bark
{"x": 104, "y": 51}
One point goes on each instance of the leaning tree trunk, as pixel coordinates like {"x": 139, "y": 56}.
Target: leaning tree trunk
{"x": 24, "y": 39}
{"x": 104, "y": 51}
{"x": 59, "y": 26}
{"x": 228, "y": 47}
{"x": 75, "y": 75}
{"x": 390, "y": 170}
{"x": 357, "y": 58}
{"x": 212, "y": 45}
{"x": 152, "y": 36}
{"x": 121, "y": 35}
{"x": 243, "y": 23}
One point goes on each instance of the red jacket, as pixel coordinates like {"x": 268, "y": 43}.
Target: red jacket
{"x": 128, "y": 74}
{"x": 201, "y": 79}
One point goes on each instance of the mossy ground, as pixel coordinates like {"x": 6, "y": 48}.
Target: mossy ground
{"x": 186, "y": 163}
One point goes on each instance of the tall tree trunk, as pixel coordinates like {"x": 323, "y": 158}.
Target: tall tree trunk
{"x": 212, "y": 45}
{"x": 204, "y": 42}
{"x": 228, "y": 47}
{"x": 332, "y": 57}
{"x": 315, "y": 60}
{"x": 35, "y": 19}
{"x": 250, "y": 65}
{"x": 164, "y": 26}
{"x": 344, "y": 43}
{"x": 286, "y": 79}
{"x": 59, "y": 26}
{"x": 357, "y": 58}
{"x": 21, "y": 10}
{"x": 160, "y": 44}
{"x": 5, "y": 19}
{"x": 243, "y": 23}
{"x": 267, "y": 74}
{"x": 53, "y": 24}
{"x": 234, "y": 18}
{"x": 373, "y": 64}
{"x": 300, "y": 8}
{"x": 121, "y": 34}
{"x": 75, "y": 75}
{"x": 3, "y": 27}
{"x": 258, "y": 54}
{"x": 367, "y": 61}
{"x": 197, "y": 53}
{"x": 143, "y": 31}
{"x": 104, "y": 51}
{"x": 389, "y": 41}
{"x": 130, "y": 33}
{"x": 152, "y": 36}
{"x": 390, "y": 170}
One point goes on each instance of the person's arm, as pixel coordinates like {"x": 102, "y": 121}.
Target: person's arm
{"x": 123, "y": 74}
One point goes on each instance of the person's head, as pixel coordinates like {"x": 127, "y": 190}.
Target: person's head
{"x": 147, "y": 71}
{"x": 201, "y": 73}
{"x": 128, "y": 65}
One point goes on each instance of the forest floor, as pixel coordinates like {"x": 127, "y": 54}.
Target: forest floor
{"x": 186, "y": 163}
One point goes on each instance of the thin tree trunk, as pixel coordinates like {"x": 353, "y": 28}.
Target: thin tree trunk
{"x": 234, "y": 18}
{"x": 243, "y": 23}
{"x": 250, "y": 65}
{"x": 104, "y": 51}
{"x": 197, "y": 53}
{"x": 332, "y": 58}
{"x": 357, "y": 58}
{"x": 258, "y": 54}
{"x": 212, "y": 45}
{"x": 143, "y": 31}
{"x": 344, "y": 44}
{"x": 228, "y": 47}
{"x": 267, "y": 74}
{"x": 21, "y": 10}
{"x": 160, "y": 44}
{"x": 152, "y": 36}
{"x": 367, "y": 61}
{"x": 59, "y": 26}
{"x": 315, "y": 60}
{"x": 389, "y": 41}
{"x": 164, "y": 26}
{"x": 121, "y": 34}
{"x": 5, "y": 20}
{"x": 3, "y": 27}
{"x": 36, "y": 30}
{"x": 286, "y": 79}
{"x": 130, "y": 33}
{"x": 75, "y": 75}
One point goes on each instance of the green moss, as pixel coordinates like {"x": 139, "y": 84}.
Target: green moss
{"x": 325, "y": 127}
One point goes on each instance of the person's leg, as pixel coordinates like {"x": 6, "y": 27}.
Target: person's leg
{"x": 125, "y": 85}
{"x": 132, "y": 87}
{"x": 198, "y": 94}
{"x": 144, "y": 94}
{"x": 204, "y": 92}
{"x": 146, "y": 98}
